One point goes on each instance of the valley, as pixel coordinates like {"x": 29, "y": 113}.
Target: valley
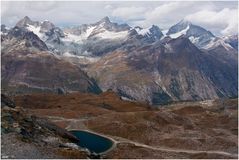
{"x": 186, "y": 129}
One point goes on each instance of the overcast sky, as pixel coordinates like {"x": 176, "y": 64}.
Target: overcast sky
{"x": 218, "y": 17}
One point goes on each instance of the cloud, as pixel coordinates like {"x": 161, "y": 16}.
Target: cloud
{"x": 129, "y": 13}
{"x": 39, "y": 6}
{"x": 224, "y": 21}
{"x": 172, "y": 11}
{"x": 219, "y": 17}
{"x": 60, "y": 13}
{"x": 108, "y": 7}
{"x": 163, "y": 14}
{"x": 211, "y": 15}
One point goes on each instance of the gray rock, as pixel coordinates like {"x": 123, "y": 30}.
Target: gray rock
{"x": 7, "y": 101}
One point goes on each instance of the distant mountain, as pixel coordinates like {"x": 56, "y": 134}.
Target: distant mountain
{"x": 197, "y": 35}
{"x": 88, "y": 39}
{"x": 18, "y": 38}
{"x": 151, "y": 34}
{"x": 103, "y": 29}
{"x": 28, "y": 66}
{"x": 45, "y": 30}
{"x": 143, "y": 64}
{"x": 98, "y": 38}
{"x": 160, "y": 73}
{"x": 79, "y": 40}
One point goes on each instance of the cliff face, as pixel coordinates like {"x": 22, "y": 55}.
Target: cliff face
{"x": 174, "y": 70}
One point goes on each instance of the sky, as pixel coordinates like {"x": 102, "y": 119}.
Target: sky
{"x": 220, "y": 17}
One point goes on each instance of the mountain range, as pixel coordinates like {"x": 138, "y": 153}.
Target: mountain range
{"x": 185, "y": 62}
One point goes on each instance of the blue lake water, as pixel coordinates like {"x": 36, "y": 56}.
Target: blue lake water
{"x": 93, "y": 142}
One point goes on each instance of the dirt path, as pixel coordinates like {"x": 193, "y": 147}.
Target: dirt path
{"x": 124, "y": 140}
{"x": 180, "y": 150}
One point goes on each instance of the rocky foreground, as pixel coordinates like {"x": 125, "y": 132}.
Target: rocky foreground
{"x": 27, "y": 136}
{"x": 206, "y": 129}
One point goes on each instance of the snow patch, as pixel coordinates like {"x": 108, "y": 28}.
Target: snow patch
{"x": 143, "y": 31}
{"x": 67, "y": 54}
{"x": 89, "y": 31}
{"x": 72, "y": 38}
{"x": 193, "y": 39}
{"x": 81, "y": 57}
{"x": 178, "y": 34}
{"x": 126, "y": 99}
{"x": 165, "y": 31}
{"x": 78, "y": 38}
{"x": 36, "y": 30}
{"x": 112, "y": 35}
{"x": 217, "y": 42}
{"x": 207, "y": 102}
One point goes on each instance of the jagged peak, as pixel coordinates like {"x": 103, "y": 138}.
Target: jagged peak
{"x": 26, "y": 18}
{"x": 47, "y": 23}
{"x": 106, "y": 19}
{"x": 25, "y": 21}
{"x": 155, "y": 27}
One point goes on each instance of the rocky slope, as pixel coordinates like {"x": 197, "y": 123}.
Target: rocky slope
{"x": 232, "y": 40}
{"x": 170, "y": 71}
{"x": 26, "y": 136}
{"x": 28, "y": 66}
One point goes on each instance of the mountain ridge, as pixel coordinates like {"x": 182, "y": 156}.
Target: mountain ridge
{"x": 143, "y": 64}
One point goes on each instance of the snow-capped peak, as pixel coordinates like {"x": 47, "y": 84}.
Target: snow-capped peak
{"x": 152, "y": 33}
{"x": 26, "y": 21}
{"x": 142, "y": 31}
{"x": 196, "y": 34}
{"x": 179, "y": 27}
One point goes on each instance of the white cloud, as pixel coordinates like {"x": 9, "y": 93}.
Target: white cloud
{"x": 225, "y": 20}
{"x": 108, "y": 7}
{"x": 172, "y": 11}
{"x": 219, "y": 17}
{"x": 163, "y": 14}
{"x": 128, "y": 13}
